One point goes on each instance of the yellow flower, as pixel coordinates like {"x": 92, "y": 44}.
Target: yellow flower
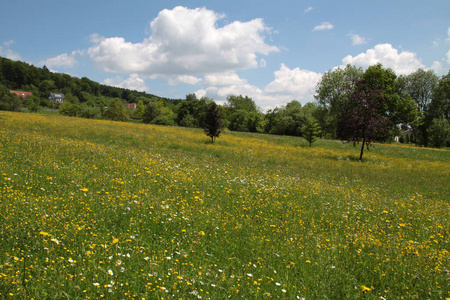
{"x": 365, "y": 289}
{"x": 115, "y": 241}
{"x": 201, "y": 233}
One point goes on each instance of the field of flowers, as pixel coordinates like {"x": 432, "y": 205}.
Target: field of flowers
{"x": 93, "y": 209}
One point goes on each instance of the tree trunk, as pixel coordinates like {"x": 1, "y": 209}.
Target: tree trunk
{"x": 362, "y": 148}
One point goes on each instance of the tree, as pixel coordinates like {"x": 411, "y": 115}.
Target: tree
{"x": 10, "y": 102}
{"x": 138, "y": 112}
{"x": 213, "y": 122}
{"x": 117, "y": 111}
{"x": 243, "y": 115}
{"x": 420, "y": 85}
{"x": 366, "y": 117}
{"x": 152, "y": 110}
{"x": 439, "y": 132}
{"x": 332, "y": 96}
{"x": 311, "y": 131}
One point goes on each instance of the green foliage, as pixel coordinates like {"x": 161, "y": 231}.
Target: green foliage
{"x": 10, "y": 102}
{"x": 242, "y": 114}
{"x": 289, "y": 119}
{"x": 332, "y": 95}
{"x": 68, "y": 109}
{"x": 311, "y": 131}
{"x": 117, "y": 111}
{"x": 138, "y": 112}
{"x": 191, "y": 112}
{"x": 152, "y": 110}
{"x": 420, "y": 85}
{"x": 33, "y": 104}
{"x": 439, "y": 132}
{"x": 213, "y": 122}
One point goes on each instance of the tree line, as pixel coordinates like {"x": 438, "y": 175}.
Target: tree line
{"x": 351, "y": 104}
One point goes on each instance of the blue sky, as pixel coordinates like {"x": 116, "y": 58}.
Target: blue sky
{"x": 272, "y": 51}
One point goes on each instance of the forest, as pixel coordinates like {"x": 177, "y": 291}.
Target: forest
{"x": 351, "y": 104}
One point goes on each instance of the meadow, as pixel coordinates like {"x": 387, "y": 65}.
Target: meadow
{"x": 93, "y": 209}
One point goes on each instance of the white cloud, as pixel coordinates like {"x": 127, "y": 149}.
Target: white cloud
{"x": 307, "y": 10}
{"x": 134, "y": 82}
{"x": 7, "y": 52}
{"x": 438, "y": 68}
{"x": 262, "y": 63}
{"x": 185, "y": 41}
{"x": 185, "y": 79}
{"x": 296, "y": 83}
{"x": 223, "y": 79}
{"x": 63, "y": 60}
{"x": 402, "y": 63}
{"x": 288, "y": 85}
{"x": 448, "y": 34}
{"x": 357, "y": 40}
{"x": 324, "y": 26}
{"x": 448, "y": 57}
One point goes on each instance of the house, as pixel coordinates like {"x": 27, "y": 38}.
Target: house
{"x": 130, "y": 105}
{"x": 22, "y": 94}
{"x": 56, "y": 97}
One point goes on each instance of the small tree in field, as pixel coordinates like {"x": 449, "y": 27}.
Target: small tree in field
{"x": 213, "y": 122}
{"x": 366, "y": 116}
{"x": 311, "y": 131}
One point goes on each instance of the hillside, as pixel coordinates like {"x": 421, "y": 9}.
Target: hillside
{"x": 96, "y": 208}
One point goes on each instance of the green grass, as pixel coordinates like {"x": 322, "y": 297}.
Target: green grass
{"x": 96, "y": 209}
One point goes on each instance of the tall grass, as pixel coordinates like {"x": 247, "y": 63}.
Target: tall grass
{"x": 95, "y": 209}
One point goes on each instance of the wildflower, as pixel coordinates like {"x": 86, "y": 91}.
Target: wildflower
{"x": 249, "y": 274}
{"x": 201, "y": 233}
{"x": 96, "y": 284}
{"x": 115, "y": 241}
{"x": 365, "y": 289}
{"x": 110, "y": 272}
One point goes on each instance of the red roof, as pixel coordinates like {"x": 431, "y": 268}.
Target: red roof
{"x": 21, "y": 93}
{"x": 130, "y": 105}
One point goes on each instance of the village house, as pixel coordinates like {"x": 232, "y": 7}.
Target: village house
{"x": 56, "y": 97}
{"x": 130, "y": 105}
{"x": 22, "y": 94}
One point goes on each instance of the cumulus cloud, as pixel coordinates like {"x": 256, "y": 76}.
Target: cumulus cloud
{"x": 134, "y": 82}
{"x": 288, "y": 84}
{"x": 185, "y": 79}
{"x": 296, "y": 83}
{"x": 357, "y": 40}
{"x": 5, "y": 51}
{"x": 63, "y": 60}
{"x": 185, "y": 41}
{"x": 323, "y": 26}
{"x": 402, "y": 63}
{"x": 307, "y": 10}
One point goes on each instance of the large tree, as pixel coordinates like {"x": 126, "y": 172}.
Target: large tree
{"x": 420, "y": 85}
{"x": 365, "y": 118}
{"x": 376, "y": 106}
{"x": 332, "y": 96}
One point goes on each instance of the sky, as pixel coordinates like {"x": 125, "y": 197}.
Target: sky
{"x": 271, "y": 51}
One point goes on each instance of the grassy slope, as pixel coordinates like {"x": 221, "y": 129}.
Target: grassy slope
{"x": 96, "y": 208}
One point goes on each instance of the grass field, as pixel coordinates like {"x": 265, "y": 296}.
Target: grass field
{"x": 93, "y": 209}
